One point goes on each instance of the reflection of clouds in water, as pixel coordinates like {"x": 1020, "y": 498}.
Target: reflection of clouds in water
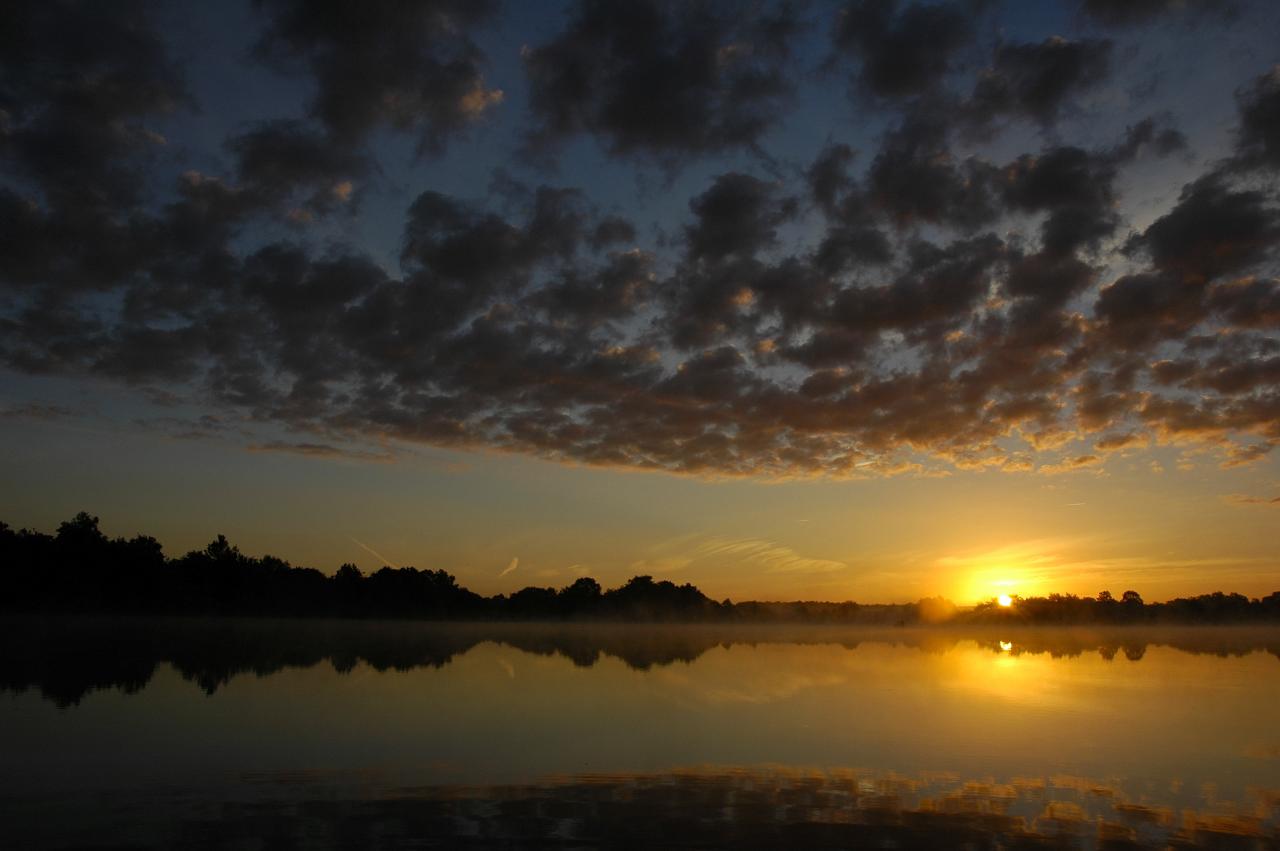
{"x": 749, "y": 807}
{"x": 507, "y": 667}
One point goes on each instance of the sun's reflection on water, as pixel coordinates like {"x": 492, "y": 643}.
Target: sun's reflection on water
{"x": 964, "y": 736}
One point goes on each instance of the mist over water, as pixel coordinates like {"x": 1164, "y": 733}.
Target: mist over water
{"x": 336, "y": 734}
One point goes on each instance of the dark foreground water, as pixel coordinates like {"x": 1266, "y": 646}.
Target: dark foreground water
{"x": 269, "y": 734}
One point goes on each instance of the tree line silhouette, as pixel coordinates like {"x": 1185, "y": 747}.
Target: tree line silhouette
{"x": 81, "y": 570}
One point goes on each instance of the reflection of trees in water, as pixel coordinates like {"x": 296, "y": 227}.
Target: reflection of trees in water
{"x": 65, "y": 658}
{"x": 714, "y": 808}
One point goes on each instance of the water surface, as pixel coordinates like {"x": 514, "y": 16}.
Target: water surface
{"x": 338, "y": 734}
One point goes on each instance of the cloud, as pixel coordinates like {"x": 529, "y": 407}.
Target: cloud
{"x": 1070, "y": 465}
{"x": 1151, "y": 134}
{"x": 661, "y": 80}
{"x": 36, "y": 411}
{"x": 1240, "y": 456}
{"x": 515, "y": 562}
{"x": 702, "y": 551}
{"x": 771, "y": 557}
{"x": 914, "y": 178}
{"x": 1074, "y": 187}
{"x": 409, "y": 66}
{"x": 1246, "y": 499}
{"x": 920, "y": 306}
{"x": 1258, "y": 140}
{"x": 319, "y": 450}
{"x": 1123, "y": 440}
{"x": 79, "y": 84}
{"x": 903, "y": 50}
{"x": 1214, "y": 229}
{"x": 659, "y": 566}
{"x": 1037, "y": 80}
{"x": 283, "y": 162}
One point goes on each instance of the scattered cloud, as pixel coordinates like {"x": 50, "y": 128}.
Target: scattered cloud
{"x": 771, "y": 557}
{"x": 662, "y": 80}
{"x": 1070, "y": 465}
{"x": 36, "y": 411}
{"x": 320, "y": 450}
{"x": 412, "y": 67}
{"x": 1246, "y": 499}
{"x": 916, "y": 306}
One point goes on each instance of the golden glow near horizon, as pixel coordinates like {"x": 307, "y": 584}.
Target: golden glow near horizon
{"x": 1005, "y": 600}
{"x": 968, "y": 538}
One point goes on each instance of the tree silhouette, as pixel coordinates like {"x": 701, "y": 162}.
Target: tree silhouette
{"x": 79, "y": 569}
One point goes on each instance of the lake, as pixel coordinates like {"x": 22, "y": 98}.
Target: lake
{"x": 277, "y": 734}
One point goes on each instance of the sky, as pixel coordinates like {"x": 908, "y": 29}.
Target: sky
{"x": 862, "y": 300}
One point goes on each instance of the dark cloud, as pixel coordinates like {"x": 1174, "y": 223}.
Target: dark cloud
{"x": 1048, "y": 277}
{"x": 1138, "y": 309}
{"x": 940, "y": 285}
{"x": 1037, "y": 80}
{"x": 662, "y": 79}
{"x": 1151, "y": 134}
{"x": 319, "y": 450}
{"x": 1248, "y": 303}
{"x": 724, "y": 282}
{"x": 854, "y": 237}
{"x": 286, "y": 162}
{"x": 1259, "y": 135}
{"x": 36, "y": 411}
{"x": 82, "y": 88}
{"x": 828, "y": 177}
{"x": 1213, "y": 230}
{"x": 144, "y": 354}
{"x": 1073, "y": 187}
{"x": 78, "y": 84}
{"x": 49, "y": 335}
{"x": 901, "y": 310}
{"x": 739, "y": 215}
{"x": 459, "y": 259}
{"x": 903, "y": 50}
{"x": 411, "y": 66}
{"x": 613, "y": 291}
{"x": 915, "y": 178}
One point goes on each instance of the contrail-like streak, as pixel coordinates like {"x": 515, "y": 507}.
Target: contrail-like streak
{"x": 362, "y": 545}
{"x": 515, "y": 562}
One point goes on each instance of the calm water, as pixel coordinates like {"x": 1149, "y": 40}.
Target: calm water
{"x": 270, "y": 734}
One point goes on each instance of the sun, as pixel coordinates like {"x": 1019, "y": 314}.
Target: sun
{"x": 1004, "y": 600}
